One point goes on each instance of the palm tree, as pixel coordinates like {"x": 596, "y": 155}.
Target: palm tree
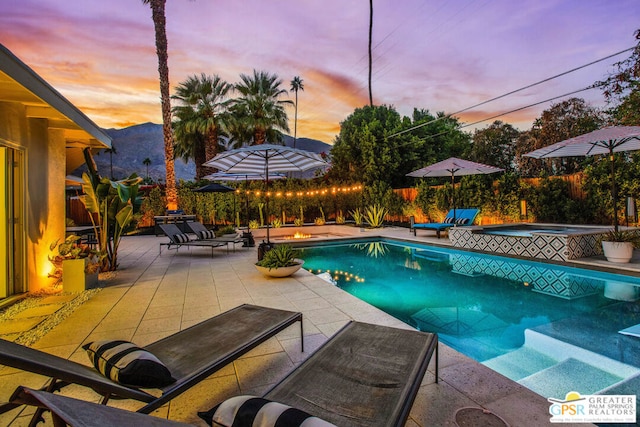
{"x": 296, "y": 84}
{"x": 147, "y": 162}
{"x": 259, "y": 112}
{"x": 370, "y": 53}
{"x": 159, "y": 22}
{"x": 201, "y": 115}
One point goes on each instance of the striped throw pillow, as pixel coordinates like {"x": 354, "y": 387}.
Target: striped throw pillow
{"x": 251, "y": 411}
{"x": 128, "y": 364}
{"x": 206, "y": 234}
{"x": 181, "y": 238}
{"x": 448, "y": 220}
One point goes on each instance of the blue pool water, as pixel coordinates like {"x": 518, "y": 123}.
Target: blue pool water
{"x": 534, "y": 322}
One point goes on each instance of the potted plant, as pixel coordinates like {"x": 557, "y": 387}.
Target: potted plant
{"x": 227, "y": 230}
{"x": 618, "y": 245}
{"x": 76, "y": 266}
{"x": 280, "y": 261}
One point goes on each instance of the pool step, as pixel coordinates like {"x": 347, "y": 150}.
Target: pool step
{"x": 520, "y": 363}
{"x": 569, "y": 375}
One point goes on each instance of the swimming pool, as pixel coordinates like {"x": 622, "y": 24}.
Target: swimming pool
{"x": 553, "y": 329}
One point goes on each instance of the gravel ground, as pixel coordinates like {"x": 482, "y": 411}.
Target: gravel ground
{"x": 29, "y": 337}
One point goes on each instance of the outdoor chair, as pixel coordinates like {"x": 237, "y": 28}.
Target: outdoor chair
{"x": 178, "y": 239}
{"x": 204, "y": 234}
{"x": 455, "y": 217}
{"x": 365, "y": 375}
{"x": 190, "y": 356}
{"x": 73, "y": 412}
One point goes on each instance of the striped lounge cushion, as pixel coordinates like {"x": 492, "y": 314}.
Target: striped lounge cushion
{"x": 448, "y": 220}
{"x": 180, "y": 238}
{"x": 462, "y": 221}
{"x": 251, "y": 411}
{"x": 206, "y": 234}
{"x": 128, "y": 364}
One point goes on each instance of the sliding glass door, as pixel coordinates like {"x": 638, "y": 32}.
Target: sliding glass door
{"x": 12, "y": 226}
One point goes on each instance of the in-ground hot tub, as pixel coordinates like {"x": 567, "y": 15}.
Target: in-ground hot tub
{"x": 542, "y": 241}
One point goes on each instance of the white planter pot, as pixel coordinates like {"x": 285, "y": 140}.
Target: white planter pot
{"x": 280, "y": 271}
{"x": 617, "y": 251}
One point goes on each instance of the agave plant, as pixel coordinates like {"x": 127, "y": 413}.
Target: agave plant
{"x": 253, "y": 224}
{"x": 279, "y": 256}
{"x": 357, "y": 215}
{"x": 276, "y": 223}
{"x": 298, "y": 222}
{"x": 375, "y": 215}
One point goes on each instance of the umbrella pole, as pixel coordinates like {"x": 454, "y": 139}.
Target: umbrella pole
{"x": 453, "y": 195}
{"x": 266, "y": 190}
{"x": 614, "y": 190}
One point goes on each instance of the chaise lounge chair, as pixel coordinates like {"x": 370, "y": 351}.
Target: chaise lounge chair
{"x": 190, "y": 355}
{"x": 455, "y": 217}
{"x": 79, "y": 413}
{"x": 204, "y": 234}
{"x": 178, "y": 239}
{"x": 365, "y": 375}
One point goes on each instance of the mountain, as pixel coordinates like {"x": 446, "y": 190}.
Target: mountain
{"x": 136, "y": 143}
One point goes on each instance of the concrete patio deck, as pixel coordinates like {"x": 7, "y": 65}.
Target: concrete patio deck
{"x": 154, "y": 295}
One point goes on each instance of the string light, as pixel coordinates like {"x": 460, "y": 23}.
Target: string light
{"x": 309, "y": 193}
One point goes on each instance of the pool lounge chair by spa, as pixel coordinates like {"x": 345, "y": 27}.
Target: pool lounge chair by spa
{"x": 190, "y": 355}
{"x": 455, "y": 217}
{"x": 365, "y": 375}
{"x": 177, "y": 239}
{"x": 204, "y": 234}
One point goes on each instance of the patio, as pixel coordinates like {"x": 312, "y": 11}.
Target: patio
{"x": 153, "y": 295}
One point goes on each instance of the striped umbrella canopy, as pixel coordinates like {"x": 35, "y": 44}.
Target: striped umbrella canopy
{"x": 454, "y": 167}
{"x": 233, "y": 177}
{"x": 608, "y": 140}
{"x": 265, "y": 159}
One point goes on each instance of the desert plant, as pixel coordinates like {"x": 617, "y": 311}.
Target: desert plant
{"x": 70, "y": 248}
{"x": 319, "y": 221}
{"x": 340, "y": 218}
{"x": 227, "y": 229}
{"x": 301, "y": 215}
{"x": 111, "y": 205}
{"x": 253, "y": 224}
{"x": 298, "y": 222}
{"x": 276, "y": 223}
{"x": 375, "y": 215}
{"x": 279, "y": 256}
{"x": 631, "y": 236}
{"x": 357, "y": 215}
{"x": 260, "y": 207}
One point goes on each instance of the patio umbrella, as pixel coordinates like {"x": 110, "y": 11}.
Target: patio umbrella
{"x": 265, "y": 159}
{"x": 454, "y": 167}
{"x": 607, "y": 140}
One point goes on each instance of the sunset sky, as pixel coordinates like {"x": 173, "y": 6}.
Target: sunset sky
{"x": 437, "y": 55}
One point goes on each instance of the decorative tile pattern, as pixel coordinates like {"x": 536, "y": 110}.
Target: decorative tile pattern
{"x": 557, "y": 247}
{"x": 543, "y": 279}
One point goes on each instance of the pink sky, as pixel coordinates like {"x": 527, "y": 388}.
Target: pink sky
{"x": 436, "y": 55}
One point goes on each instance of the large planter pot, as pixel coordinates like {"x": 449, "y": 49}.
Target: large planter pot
{"x": 617, "y": 251}
{"x": 280, "y": 271}
{"x": 74, "y": 278}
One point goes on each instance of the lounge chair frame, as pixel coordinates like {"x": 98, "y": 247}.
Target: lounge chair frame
{"x": 197, "y": 227}
{"x": 172, "y": 230}
{"x": 438, "y": 227}
{"x": 365, "y": 375}
{"x": 191, "y": 355}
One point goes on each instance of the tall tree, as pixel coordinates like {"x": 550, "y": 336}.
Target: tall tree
{"x": 296, "y": 85}
{"x": 495, "y": 145}
{"x": 561, "y": 121}
{"x": 622, "y": 88}
{"x": 370, "y": 51}
{"x": 159, "y": 23}
{"x": 201, "y": 114}
{"x": 258, "y": 111}
{"x": 147, "y": 162}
